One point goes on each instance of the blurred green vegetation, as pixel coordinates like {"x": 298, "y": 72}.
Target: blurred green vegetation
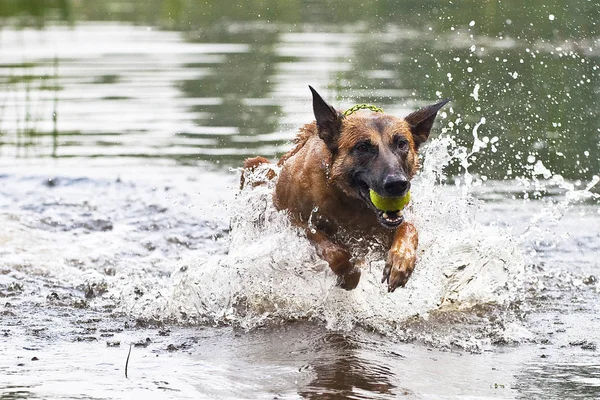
{"x": 35, "y": 13}
{"x": 573, "y": 19}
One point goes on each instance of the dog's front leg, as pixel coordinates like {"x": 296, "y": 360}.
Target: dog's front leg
{"x": 401, "y": 257}
{"x": 338, "y": 258}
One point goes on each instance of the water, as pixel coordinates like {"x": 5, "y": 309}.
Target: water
{"x": 121, "y": 128}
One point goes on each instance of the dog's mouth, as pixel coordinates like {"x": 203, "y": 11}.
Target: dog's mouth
{"x": 389, "y": 219}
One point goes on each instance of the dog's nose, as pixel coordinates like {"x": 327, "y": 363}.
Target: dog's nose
{"x": 395, "y": 185}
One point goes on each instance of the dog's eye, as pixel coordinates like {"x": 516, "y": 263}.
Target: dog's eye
{"x": 362, "y": 148}
{"x": 402, "y": 144}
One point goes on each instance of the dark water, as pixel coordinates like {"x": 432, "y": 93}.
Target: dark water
{"x": 121, "y": 121}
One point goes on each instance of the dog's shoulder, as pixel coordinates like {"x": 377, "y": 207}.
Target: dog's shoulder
{"x": 306, "y": 133}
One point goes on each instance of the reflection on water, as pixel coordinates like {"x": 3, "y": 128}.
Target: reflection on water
{"x": 340, "y": 373}
{"x": 223, "y": 82}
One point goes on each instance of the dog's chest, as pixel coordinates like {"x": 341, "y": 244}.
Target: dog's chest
{"x": 345, "y": 223}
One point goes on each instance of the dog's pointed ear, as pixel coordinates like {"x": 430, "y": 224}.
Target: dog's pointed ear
{"x": 329, "y": 121}
{"x": 421, "y": 121}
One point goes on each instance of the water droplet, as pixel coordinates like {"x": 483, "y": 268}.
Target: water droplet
{"x": 475, "y": 94}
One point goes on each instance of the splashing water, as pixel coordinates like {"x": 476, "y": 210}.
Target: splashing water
{"x": 272, "y": 273}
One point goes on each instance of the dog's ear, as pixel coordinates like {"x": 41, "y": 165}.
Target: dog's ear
{"x": 329, "y": 121}
{"x": 421, "y": 121}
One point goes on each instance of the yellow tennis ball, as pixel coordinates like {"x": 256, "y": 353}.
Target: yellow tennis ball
{"x": 389, "y": 203}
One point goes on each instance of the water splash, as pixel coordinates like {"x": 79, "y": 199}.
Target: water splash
{"x": 272, "y": 273}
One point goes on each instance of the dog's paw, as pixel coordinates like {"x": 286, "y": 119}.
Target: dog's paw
{"x": 337, "y": 257}
{"x": 349, "y": 280}
{"x": 398, "y": 268}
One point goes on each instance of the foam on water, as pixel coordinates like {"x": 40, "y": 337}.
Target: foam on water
{"x": 272, "y": 273}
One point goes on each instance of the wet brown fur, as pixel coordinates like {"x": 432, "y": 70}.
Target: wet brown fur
{"x": 315, "y": 184}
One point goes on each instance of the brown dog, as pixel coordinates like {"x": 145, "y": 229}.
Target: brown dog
{"x": 325, "y": 182}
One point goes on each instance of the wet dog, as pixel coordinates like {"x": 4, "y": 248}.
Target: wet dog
{"x": 326, "y": 180}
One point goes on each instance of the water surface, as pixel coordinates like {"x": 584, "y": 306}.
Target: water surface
{"x": 122, "y": 123}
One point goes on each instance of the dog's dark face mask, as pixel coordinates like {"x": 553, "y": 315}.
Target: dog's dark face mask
{"x": 374, "y": 151}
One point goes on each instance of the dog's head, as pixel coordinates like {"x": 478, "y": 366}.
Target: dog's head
{"x": 373, "y": 151}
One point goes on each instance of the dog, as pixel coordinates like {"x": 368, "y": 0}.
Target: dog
{"x": 326, "y": 179}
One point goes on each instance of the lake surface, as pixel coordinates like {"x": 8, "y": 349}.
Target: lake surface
{"x": 122, "y": 128}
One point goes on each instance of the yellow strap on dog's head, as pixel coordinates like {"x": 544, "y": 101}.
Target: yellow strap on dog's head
{"x": 357, "y": 107}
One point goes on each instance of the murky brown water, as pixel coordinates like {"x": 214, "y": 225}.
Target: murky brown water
{"x": 121, "y": 121}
